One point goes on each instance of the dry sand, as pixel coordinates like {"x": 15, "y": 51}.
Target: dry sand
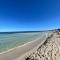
{"x": 49, "y": 50}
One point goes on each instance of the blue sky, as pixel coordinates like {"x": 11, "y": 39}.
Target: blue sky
{"x": 26, "y": 15}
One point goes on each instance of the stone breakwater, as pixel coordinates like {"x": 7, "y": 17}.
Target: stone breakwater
{"x": 49, "y": 50}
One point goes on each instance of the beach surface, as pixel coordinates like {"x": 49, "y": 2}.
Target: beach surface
{"x": 49, "y": 50}
{"x": 20, "y": 51}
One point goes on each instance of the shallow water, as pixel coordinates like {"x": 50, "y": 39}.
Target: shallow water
{"x": 8, "y": 41}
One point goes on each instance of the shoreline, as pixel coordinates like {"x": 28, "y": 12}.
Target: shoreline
{"x": 30, "y": 52}
{"x": 20, "y": 45}
{"x": 33, "y": 50}
{"x": 10, "y": 49}
{"x": 17, "y": 52}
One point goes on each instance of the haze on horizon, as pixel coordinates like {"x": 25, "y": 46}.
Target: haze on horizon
{"x": 29, "y": 15}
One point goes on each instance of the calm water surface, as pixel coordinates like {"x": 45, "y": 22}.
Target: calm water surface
{"x": 8, "y": 41}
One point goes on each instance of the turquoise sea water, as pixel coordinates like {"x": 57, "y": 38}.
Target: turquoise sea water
{"x": 8, "y": 41}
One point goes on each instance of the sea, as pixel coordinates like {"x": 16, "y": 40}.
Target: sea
{"x": 12, "y": 40}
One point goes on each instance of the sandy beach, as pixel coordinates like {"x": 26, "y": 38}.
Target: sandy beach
{"x": 49, "y": 50}
{"x": 16, "y": 53}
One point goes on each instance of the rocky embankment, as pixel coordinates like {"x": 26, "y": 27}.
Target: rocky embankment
{"x": 49, "y": 50}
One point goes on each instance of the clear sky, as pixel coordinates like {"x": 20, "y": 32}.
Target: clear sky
{"x": 24, "y": 15}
